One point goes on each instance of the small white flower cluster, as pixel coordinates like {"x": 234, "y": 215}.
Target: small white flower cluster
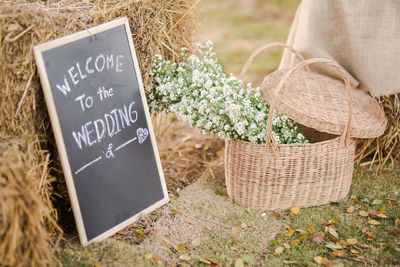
{"x": 199, "y": 91}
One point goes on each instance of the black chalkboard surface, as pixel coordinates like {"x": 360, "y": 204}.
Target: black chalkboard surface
{"x": 104, "y": 135}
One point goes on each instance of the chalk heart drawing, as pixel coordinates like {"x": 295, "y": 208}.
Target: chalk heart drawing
{"x": 142, "y": 134}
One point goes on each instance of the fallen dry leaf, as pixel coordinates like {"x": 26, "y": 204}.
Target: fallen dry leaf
{"x": 148, "y": 256}
{"x": 363, "y": 213}
{"x": 243, "y": 225}
{"x": 294, "y": 242}
{"x": 381, "y": 211}
{"x": 332, "y": 220}
{"x": 279, "y": 250}
{"x": 290, "y": 232}
{"x": 182, "y": 247}
{"x": 286, "y": 245}
{"x": 372, "y": 212}
{"x": 333, "y": 246}
{"x": 377, "y": 202}
{"x": 295, "y": 210}
{"x": 310, "y": 229}
{"x": 213, "y": 262}
{"x": 317, "y": 237}
{"x": 275, "y": 214}
{"x": 394, "y": 232}
{"x": 185, "y": 257}
{"x": 382, "y": 216}
{"x": 343, "y": 243}
{"x": 351, "y": 241}
{"x": 333, "y": 232}
{"x": 237, "y": 228}
{"x": 397, "y": 222}
{"x": 318, "y": 259}
{"x": 303, "y": 236}
{"x": 321, "y": 260}
{"x": 368, "y": 234}
{"x": 205, "y": 261}
{"x": 336, "y": 253}
{"x": 164, "y": 244}
{"x": 373, "y": 222}
{"x": 156, "y": 258}
{"x": 325, "y": 262}
{"x": 174, "y": 212}
{"x": 350, "y": 209}
{"x": 96, "y": 264}
{"x": 390, "y": 206}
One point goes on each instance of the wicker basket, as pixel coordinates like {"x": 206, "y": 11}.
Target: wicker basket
{"x": 279, "y": 176}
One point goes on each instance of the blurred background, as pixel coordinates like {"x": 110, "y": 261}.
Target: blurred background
{"x": 239, "y": 27}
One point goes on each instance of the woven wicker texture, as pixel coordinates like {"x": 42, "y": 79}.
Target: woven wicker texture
{"x": 303, "y": 174}
{"x": 287, "y": 175}
{"x": 320, "y": 102}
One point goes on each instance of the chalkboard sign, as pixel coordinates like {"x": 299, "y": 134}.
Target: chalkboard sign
{"x": 97, "y": 106}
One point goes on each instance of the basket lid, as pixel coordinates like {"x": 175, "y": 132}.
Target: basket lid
{"x": 321, "y": 102}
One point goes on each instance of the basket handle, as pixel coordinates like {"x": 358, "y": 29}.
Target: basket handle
{"x": 346, "y": 132}
{"x": 266, "y": 46}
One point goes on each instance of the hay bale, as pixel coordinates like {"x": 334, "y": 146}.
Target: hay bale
{"x": 386, "y": 148}
{"x": 158, "y": 26}
{"x": 24, "y": 216}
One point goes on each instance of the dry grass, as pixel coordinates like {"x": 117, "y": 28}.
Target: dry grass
{"x": 203, "y": 225}
{"x": 200, "y": 224}
{"x": 24, "y": 216}
{"x": 386, "y": 148}
{"x": 157, "y": 27}
{"x": 24, "y": 25}
{"x": 186, "y": 156}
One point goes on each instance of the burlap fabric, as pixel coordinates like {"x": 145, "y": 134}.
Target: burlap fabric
{"x": 362, "y": 36}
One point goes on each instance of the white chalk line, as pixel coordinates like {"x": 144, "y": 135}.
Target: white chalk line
{"x": 125, "y": 144}
{"x": 87, "y": 165}
{"x": 99, "y": 158}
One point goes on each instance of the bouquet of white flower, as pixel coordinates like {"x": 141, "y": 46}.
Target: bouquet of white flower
{"x": 200, "y": 93}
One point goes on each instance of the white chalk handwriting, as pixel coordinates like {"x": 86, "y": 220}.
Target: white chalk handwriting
{"x": 100, "y": 63}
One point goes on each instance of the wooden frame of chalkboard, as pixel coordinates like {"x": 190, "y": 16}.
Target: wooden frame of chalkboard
{"x": 92, "y": 35}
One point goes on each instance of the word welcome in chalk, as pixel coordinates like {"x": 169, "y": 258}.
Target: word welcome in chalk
{"x": 113, "y": 122}
{"x": 79, "y": 72}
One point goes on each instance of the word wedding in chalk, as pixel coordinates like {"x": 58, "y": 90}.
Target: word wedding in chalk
{"x": 102, "y": 126}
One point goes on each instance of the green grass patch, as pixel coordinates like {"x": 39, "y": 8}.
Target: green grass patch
{"x": 208, "y": 228}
